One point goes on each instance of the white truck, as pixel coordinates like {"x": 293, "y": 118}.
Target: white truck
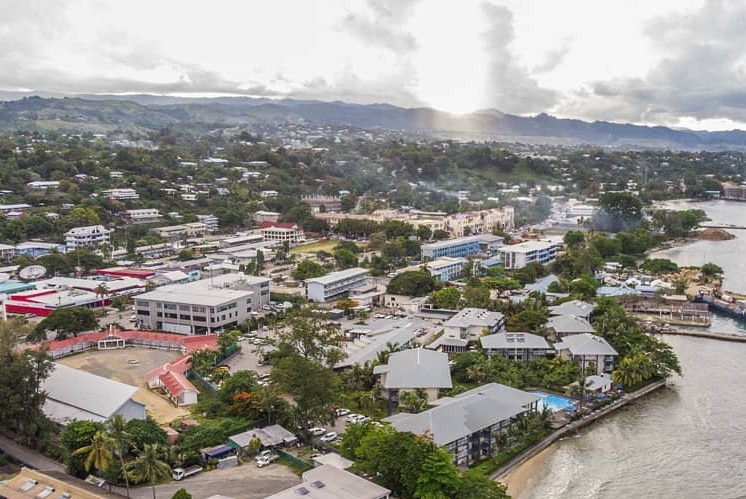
{"x": 182, "y": 473}
{"x": 266, "y": 460}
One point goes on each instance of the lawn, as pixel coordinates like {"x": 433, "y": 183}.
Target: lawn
{"x": 315, "y": 247}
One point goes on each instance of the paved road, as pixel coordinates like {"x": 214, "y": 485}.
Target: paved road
{"x": 29, "y": 457}
{"x": 242, "y": 482}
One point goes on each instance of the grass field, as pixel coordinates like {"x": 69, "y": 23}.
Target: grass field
{"x": 114, "y": 364}
{"x": 327, "y": 246}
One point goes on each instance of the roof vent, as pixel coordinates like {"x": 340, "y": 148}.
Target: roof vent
{"x": 318, "y": 484}
{"x": 302, "y": 491}
{"x": 28, "y": 485}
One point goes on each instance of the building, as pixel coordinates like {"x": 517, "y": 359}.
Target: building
{"x": 471, "y": 323}
{"x": 262, "y": 216}
{"x": 6, "y": 209}
{"x": 454, "y": 248}
{"x": 212, "y": 223}
{"x": 413, "y": 369}
{"x": 523, "y": 347}
{"x": 43, "y": 185}
{"x": 90, "y": 236}
{"x": 142, "y": 216}
{"x": 577, "y": 308}
{"x": 72, "y": 394}
{"x": 443, "y": 269}
{"x": 330, "y": 482}
{"x": 276, "y": 231}
{"x": 517, "y": 256}
{"x": 467, "y": 425}
{"x": 480, "y": 222}
{"x": 7, "y": 252}
{"x": 323, "y": 204}
{"x": 32, "y": 484}
{"x": 591, "y": 353}
{"x": 566, "y": 325}
{"x": 269, "y": 194}
{"x": 192, "y": 229}
{"x": 735, "y": 192}
{"x": 171, "y": 378}
{"x": 126, "y": 194}
{"x": 335, "y": 285}
{"x": 207, "y": 306}
{"x": 36, "y": 249}
{"x": 271, "y": 436}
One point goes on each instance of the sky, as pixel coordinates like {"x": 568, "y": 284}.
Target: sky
{"x": 677, "y": 63}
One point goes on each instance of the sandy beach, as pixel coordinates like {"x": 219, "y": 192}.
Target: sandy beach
{"x": 522, "y": 479}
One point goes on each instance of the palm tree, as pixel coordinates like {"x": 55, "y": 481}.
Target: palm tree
{"x": 101, "y": 291}
{"x": 121, "y": 439}
{"x": 99, "y": 452}
{"x": 148, "y": 467}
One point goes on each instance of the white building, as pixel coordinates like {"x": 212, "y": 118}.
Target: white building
{"x": 270, "y": 194}
{"x": 142, "y": 216}
{"x": 43, "y": 185}
{"x": 211, "y": 222}
{"x": 92, "y": 235}
{"x": 517, "y": 256}
{"x": 335, "y": 285}
{"x": 207, "y": 306}
{"x": 121, "y": 194}
{"x": 282, "y": 232}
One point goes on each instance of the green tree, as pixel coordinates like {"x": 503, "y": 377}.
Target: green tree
{"x": 120, "y": 438}
{"x": 66, "y": 321}
{"x": 181, "y": 494}
{"x": 412, "y": 283}
{"x": 711, "y": 270}
{"x": 477, "y": 296}
{"x": 413, "y": 401}
{"x": 439, "y": 477}
{"x": 99, "y": 453}
{"x": 618, "y": 211}
{"x": 345, "y": 259}
{"x": 76, "y": 435}
{"x": 473, "y": 483}
{"x": 448, "y": 297}
{"x": 149, "y": 467}
{"x": 145, "y": 431}
{"x": 308, "y": 269}
{"x": 574, "y": 238}
{"x": 240, "y": 381}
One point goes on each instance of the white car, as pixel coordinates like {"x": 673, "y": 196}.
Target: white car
{"x": 265, "y": 454}
{"x": 352, "y": 418}
{"x": 342, "y": 412}
{"x": 317, "y": 431}
{"x": 329, "y": 437}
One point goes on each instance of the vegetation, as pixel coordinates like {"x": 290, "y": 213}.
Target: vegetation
{"x": 413, "y": 283}
{"x": 65, "y": 322}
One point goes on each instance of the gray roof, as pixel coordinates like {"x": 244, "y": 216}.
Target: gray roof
{"x": 541, "y": 285}
{"x": 457, "y": 417}
{"x": 513, "y": 340}
{"x": 416, "y": 368}
{"x": 366, "y": 348}
{"x": 585, "y": 344}
{"x": 337, "y": 276}
{"x": 271, "y": 436}
{"x": 575, "y": 307}
{"x": 75, "y": 394}
{"x": 474, "y": 317}
{"x": 330, "y": 482}
{"x": 569, "y": 324}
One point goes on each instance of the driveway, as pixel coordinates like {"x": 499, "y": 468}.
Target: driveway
{"x": 29, "y": 457}
{"x": 242, "y": 482}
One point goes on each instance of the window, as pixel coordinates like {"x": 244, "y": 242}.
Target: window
{"x": 142, "y": 303}
{"x": 184, "y": 308}
{"x": 169, "y": 306}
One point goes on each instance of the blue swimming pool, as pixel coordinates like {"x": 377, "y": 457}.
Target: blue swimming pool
{"x": 554, "y": 402}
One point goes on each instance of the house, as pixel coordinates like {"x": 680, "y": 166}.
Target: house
{"x": 523, "y": 347}
{"x": 599, "y": 383}
{"x": 126, "y": 194}
{"x": 141, "y": 216}
{"x": 92, "y": 235}
{"x": 577, "y": 308}
{"x": 212, "y": 223}
{"x": 171, "y": 377}
{"x": 590, "y": 352}
{"x": 335, "y": 285}
{"x": 409, "y": 370}
{"x": 471, "y": 323}
{"x": 266, "y": 216}
{"x": 567, "y": 325}
{"x": 72, "y": 394}
{"x": 330, "y": 482}
{"x": 270, "y": 436}
{"x": 43, "y": 185}
{"x": 466, "y": 425}
{"x": 366, "y": 342}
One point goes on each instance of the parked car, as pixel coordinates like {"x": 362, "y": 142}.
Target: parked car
{"x": 352, "y": 418}
{"x": 342, "y": 412}
{"x": 263, "y": 454}
{"x": 266, "y": 460}
{"x": 317, "y": 431}
{"x": 329, "y": 437}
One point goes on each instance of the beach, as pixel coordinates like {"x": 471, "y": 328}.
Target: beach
{"x": 521, "y": 479}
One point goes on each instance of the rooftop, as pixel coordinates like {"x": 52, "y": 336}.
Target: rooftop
{"x": 207, "y": 292}
{"x": 575, "y": 307}
{"x": 330, "y": 482}
{"x": 416, "y": 368}
{"x": 585, "y": 344}
{"x": 513, "y": 340}
{"x": 474, "y": 317}
{"x": 527, "y": 246}
{"x": 337, "y": 276}
{"x": 569, "y": 324}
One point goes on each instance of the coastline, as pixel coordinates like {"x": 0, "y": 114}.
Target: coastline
{"x": 518, "y": 473}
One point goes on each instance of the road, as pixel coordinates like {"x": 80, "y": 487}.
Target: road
{"x": 29, "y": 457}
{"x": 242, "y": 482}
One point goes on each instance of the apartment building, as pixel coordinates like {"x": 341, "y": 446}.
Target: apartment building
{"x": 207, "y": 306}
{"x": 121, "y": 194}
{"x": 517, "y": 256}
{"x": 212, "y": 223}
{"x": 141, "y": 216}
{"x": 335, "y": 285}
{"x": 89, "y": 236}
{"x": 480, "y": 222}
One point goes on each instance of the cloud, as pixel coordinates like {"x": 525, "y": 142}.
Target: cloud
{"x": 383, "y": 25}
{"x": 510, "y": 88}
{"x": 701, "y": 72}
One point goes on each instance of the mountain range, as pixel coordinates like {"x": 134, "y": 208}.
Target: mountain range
{"x": 104, "y": 113}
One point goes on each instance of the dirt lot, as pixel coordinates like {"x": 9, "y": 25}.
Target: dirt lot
{"x": 113, "y": 364}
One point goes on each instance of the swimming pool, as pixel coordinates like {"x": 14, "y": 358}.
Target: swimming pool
{"x": 554, "y": 402}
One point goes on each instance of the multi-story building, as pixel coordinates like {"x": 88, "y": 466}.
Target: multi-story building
{"x": 141, "y": 216}
{"x": 335, "y": 285}
{"x": 266, "y": 216}
{"x": 480, "y": 222}
{"x": 92, "y": 235}
{"x": 591, "y": 353}
{"x": 470, "y": 323}
{"x": 467, "y": 425}
{"x": 192, "y": 229}
{"x": 121, "y": 194}
{"x": 443, "y": 269}
{"x": 735, "y": 192}
{"x": 327, "y": 204}
{"x": 517, "y": 256}
{"x": 523, "y": 347}
{"x": 207, "y": 306}
{"x": 282, "y": 232}
{"x": 413, "y": 369}
{"x": 43, "y": 185}
{"x": 212, "y": 223}
{"x": 454, "y": 248}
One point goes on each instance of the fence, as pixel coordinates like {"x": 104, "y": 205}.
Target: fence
{"x": 294, "y": 460}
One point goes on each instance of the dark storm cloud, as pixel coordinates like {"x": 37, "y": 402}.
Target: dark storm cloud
{"x": 510, "y": 88}
{"x": 702, "y": 72}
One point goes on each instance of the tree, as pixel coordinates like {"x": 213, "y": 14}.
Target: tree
{"x": 574, "y": 238}
{"x": 412, "y": 283}
{"x": 477, "y": 296}
{"x": 99, "y": 453}
{"x": 413, "y": 401}
{"x": 618, "y": 211}
{"x": 659, "y": 266}
{"x": 308, "y": 269}
{"x": 101, "y": 291}
{"x": 448, "y": 297}
{"x": 345, "y": 259}
{"x": 711, "y": 270}
{"x": 423, "y": 232}
{"x": 66, "y": 321}
{"x": 149, "y": 467}
{"x": 473, "y": 483}
{"x": 116, "y": 429}
{"x": 181, "y": 494}
{"x": 439, "y": 477}
{"x": 240, "y": 381}
{"x": 144, "y": 431}
{"x": 75, "y": 435}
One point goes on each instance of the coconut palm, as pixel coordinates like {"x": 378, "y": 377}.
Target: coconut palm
{"x": 149, "y": 467}
{"x": 102, "y": 291}
{"x": 121, "y": 439}
{"x": 99, "y": 453}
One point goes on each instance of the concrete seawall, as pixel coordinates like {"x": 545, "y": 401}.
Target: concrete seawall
{"x": 571, "y": 428}
{"x": 704, "y": 334}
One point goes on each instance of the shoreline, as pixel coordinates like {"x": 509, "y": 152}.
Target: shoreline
{"x": 519, "y": 472}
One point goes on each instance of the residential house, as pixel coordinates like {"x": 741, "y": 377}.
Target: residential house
{"x": 142, "y": 216}
{"x": 409, "y": 370}
{"x": 591, "y": 353}
{"x": 523, "y": 347}
{"x": 561, "y": 326}
{"x": 468, "y": 325}
{"x": 577, "y": 308}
